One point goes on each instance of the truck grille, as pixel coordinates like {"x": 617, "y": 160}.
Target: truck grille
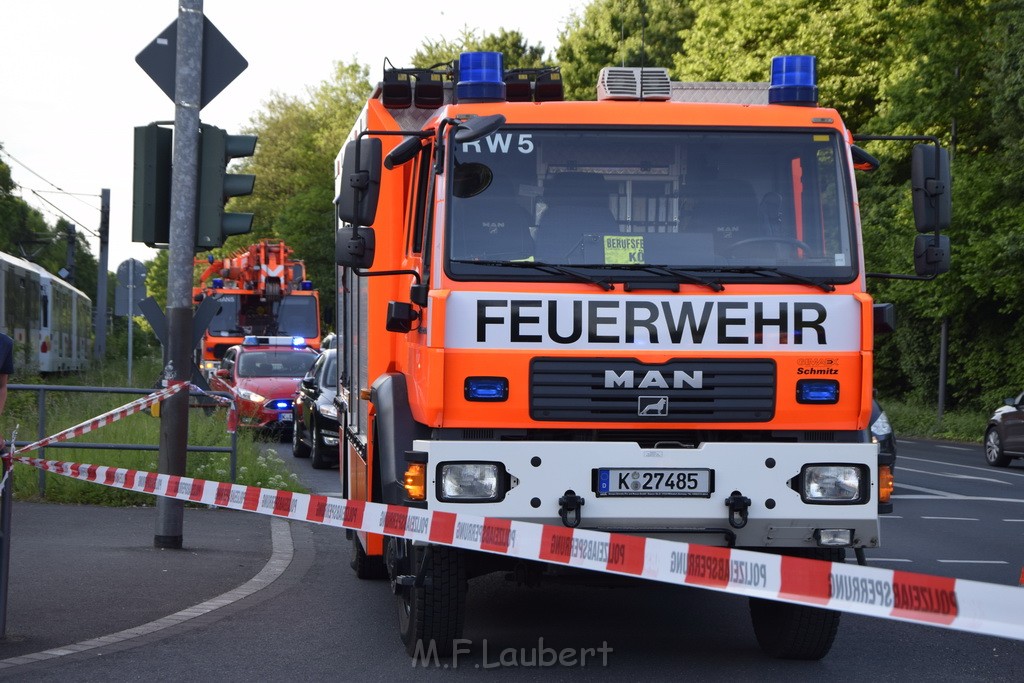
{"x": 617, "y": 390}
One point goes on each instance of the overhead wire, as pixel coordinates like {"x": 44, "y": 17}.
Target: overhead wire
{"x": 59, "y": 190}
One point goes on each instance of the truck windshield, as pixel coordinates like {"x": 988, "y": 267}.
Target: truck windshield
{"x": 240, "y": 314}
{"x": 732, "y": 206}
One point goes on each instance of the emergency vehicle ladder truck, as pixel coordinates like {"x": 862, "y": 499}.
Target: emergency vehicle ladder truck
{"x": 644, "y": 314}
{"x": 262, "y": 290}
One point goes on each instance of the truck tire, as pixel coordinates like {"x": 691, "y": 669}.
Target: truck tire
{"x": 366, "y": 567}
{"x": 431, "y": 617}
{"x": 788, "y": 631}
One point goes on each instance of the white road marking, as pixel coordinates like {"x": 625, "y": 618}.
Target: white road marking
{"x": 954, "y": 519}
{"x": 899, "y": 517}
{"x": 952, "y": 475}
{"x": 988, "y": 499}
{"x": 972, "y": 561}
{"x": 956, "y": 448}
{"x": 1013, "y": 520}
{"x": 880, "y": 559}
{"x": 903, "y": 458}
{"x": 934, "y": 492}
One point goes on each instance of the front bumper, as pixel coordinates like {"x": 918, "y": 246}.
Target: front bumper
{"x": 540, "y": 473}
{"x": 260, "y": 416}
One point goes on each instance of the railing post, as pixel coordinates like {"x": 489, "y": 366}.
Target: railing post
{"x": 41, "y": 432}
{"x": 6, "y": 508}
{"x": 234, "y": 454}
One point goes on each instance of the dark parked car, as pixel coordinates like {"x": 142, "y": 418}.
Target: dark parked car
{"x": 1004, "y": 435}
{"x": 315, "y": 432}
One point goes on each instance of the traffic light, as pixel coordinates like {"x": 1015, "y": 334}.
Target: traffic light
{"x": 151, "y": 191}
{"x": 216, "y": 186}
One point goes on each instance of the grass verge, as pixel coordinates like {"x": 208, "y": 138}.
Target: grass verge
{"x": 921, "y": 421}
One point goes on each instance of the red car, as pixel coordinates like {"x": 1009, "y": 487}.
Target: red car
{"x": 263, "y": 373}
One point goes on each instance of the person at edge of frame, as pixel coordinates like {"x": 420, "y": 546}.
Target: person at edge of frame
{"x": 6, "y": 370}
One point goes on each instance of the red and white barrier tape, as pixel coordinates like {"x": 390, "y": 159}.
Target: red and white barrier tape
{"x": 103, "y": 420}
{"x": 905, "y": 596}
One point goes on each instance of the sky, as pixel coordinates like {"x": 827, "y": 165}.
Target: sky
{"x": 71, "y": 92}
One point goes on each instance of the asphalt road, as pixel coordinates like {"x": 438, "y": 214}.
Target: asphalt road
{"x": 954, "y": 516}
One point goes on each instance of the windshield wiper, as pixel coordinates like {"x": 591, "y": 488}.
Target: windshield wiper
{"x": 771, "y": 270}
{"x": 678, "y": 273}
{"x": 546, "y": 267}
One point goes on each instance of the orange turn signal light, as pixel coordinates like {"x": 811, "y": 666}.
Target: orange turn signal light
{"x": 886, "y": 482}
{"x": 416, "y": 481}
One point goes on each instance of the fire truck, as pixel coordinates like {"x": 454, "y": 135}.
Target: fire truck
{"x": 261, "y": 290}
{"x": 643, "y": 314}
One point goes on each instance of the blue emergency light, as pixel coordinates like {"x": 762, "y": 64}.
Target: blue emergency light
{"x": 486, "y": 389}
{"x": 794, "y": 80}
{"x": 817, "y": 391}
{"x": 307, "y": 286}
{"x": 481, "y": 77}
{"x": 218, "y": 283}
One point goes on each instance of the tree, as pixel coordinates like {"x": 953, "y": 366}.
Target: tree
{"x": 517, "y": 52}
{"x": 299, "y": 139}
{"x": 619, "y": 33}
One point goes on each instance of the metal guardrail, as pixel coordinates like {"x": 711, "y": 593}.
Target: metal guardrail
{"x": 42, "y": 389}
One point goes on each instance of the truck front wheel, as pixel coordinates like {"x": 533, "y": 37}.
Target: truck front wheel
{"x": 431, "y": 616}
{"x": 789, "y": 631}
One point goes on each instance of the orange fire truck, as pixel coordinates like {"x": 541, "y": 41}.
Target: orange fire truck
{"x": 643, "y": 314}
{"x": 261, "y": 290}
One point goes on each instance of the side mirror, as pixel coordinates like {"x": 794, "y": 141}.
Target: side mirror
{"x": 222, "y": 373}
{"x": 884, "y": 318}
{"x": 478, "y": 127}
{"x": 930, "y": 183}
{"x": 404, "y": 151}
{"x": 308, "y": 382}
{"x": 931, "y": 255}
{"x": 359, "y": 186}
{"x": 355, "y": 247}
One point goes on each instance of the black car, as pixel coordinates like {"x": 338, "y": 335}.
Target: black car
{"x": 1004, "y": 435}
{"x": 315, "y": 431}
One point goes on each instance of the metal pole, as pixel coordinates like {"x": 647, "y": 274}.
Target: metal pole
{"x": 41, "y": 434}
{"x": 943, "y": 351}
{"x": 69, "y": 257}
{"x": 184, "y": 182}
{"x": 100, "y": 305}
{"x": 131, "y": 318}
{"x": 234, "y": 454}
{"x": 6, "y": 508}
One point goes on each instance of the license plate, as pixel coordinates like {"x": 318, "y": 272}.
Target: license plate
{"x": 285, "y": 417}
{"x": 654, "y": 482}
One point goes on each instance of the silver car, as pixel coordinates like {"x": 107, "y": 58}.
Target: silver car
{"x": 1004, "y": 435}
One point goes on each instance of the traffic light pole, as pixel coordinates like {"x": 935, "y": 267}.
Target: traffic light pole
{"x": 184, "y": 184}
{"x": 100, "y": 313}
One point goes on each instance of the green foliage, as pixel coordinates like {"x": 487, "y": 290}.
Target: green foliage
{"x": 294, "y": 166}
{"x": 620, "y": 33}
{"x": 920, "y": 420}
{"x": 518, "y": 54}
{"x": 156, "y": 277}
{"x": 255, "y": 466}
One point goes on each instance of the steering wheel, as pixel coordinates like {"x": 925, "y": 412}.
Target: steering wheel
{"x": 790, "y": 241}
